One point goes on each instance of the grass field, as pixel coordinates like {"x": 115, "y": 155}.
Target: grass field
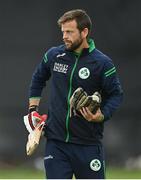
{"x": 23, "y": 173}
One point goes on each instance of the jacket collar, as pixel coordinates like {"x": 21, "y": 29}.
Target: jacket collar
{"x": 91, "y": 45}
{"x": 86, "y": 50}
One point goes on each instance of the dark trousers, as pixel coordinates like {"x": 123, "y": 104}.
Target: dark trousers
{"x": 62, "y": 160}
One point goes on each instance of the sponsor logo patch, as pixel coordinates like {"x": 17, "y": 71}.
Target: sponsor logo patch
{"x": 62, "y": 68}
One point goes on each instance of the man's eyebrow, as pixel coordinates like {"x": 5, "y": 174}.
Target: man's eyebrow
{"x": 67, "y": 31}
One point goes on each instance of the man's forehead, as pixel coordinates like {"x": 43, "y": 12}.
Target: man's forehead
{"x": 69, "y": 24}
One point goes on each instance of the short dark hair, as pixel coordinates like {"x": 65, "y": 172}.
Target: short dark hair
{"x": 80, "y": 16}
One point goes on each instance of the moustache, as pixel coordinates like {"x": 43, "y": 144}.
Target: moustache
{"x": 66, "y": 41}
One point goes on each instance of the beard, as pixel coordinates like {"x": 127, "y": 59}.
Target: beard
{"x": 72, "y": 46}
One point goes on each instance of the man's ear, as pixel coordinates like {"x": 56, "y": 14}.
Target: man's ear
{"x": 85, "y": 32}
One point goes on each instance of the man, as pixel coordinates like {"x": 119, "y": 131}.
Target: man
{"x": 74, "y": 143}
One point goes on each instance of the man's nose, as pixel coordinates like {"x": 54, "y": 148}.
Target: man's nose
{"x": 65, "y": 35}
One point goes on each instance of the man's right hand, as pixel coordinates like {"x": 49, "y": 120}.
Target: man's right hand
{"x": 33, "y": 119}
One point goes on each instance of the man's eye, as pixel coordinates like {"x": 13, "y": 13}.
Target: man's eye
{"x": 69, "y": 32}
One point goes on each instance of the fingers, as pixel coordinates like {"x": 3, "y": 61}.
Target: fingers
{"x": 86, "y": 113}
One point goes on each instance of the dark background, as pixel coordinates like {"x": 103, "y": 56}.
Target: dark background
{"x": 28, "y": 28}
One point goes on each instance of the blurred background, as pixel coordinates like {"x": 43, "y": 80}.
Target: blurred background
{"x": 27, "y": 30}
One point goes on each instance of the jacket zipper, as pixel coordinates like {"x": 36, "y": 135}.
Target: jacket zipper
{"x": 69, "y": 95}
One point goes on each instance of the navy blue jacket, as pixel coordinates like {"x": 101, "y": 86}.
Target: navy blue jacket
{"x": 93, "y": 71}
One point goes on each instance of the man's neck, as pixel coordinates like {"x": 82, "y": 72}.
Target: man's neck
{"x": 82, "y": 46}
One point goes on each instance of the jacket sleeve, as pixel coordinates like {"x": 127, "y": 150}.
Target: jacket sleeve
{"x": 41, "y": 74}
{"x": 112, "y": 93}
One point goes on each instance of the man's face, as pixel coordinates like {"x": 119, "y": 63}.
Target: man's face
{"x": 71, "y": 35}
